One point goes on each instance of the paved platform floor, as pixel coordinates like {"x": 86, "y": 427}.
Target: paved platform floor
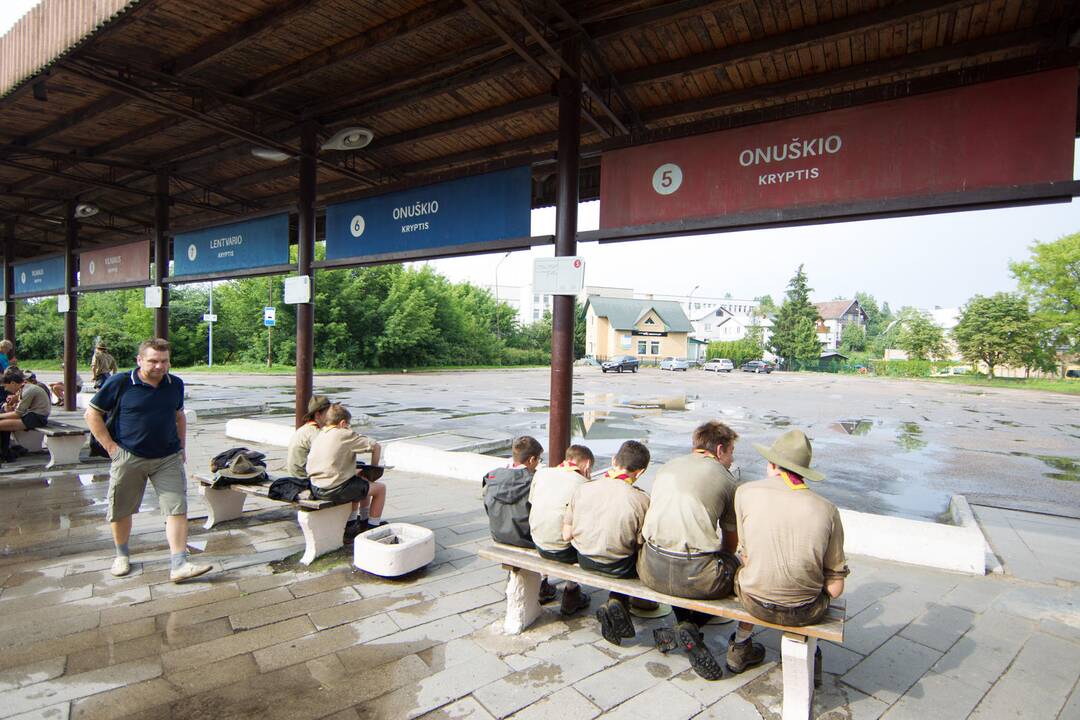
{"x": 247, "y": 641}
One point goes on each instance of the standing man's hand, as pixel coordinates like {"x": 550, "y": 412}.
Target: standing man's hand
{"x": 112, "y": 448}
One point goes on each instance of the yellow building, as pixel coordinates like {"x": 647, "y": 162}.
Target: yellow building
{"x": 646, "y": 329}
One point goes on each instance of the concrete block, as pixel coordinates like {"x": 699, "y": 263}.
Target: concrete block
{"x": 566, "y": 704}
{"x": 412, "y": 547}
{"x": 426, "y": 612}
{"x": 939, "y": 627}
{"x": 60, "y": 711}
{"x": 620, "y": 682}
{"x": 731, "y": 707}
{"x": 890, "y": 670}
{"x": 395, "y": 646}
{"x": 237, "y": 644}
{"x": 453, "y": 683}
{"x": 1038, "y": 682}
{"x": 30, "y": 439}
{"x": 289, "y": 651}
{"x": 797, "y": 660}
{"x": 61, "y": 690}
{"x": 323, "y": 530}
{"x": 522, "y": 600}
{"x": 29, "y": 674}
{"x": 257, "y": 617}
{"x": 986, "y": 650}
{"x": 463, "y": 709}
{"x": 660, "y": 701}
{"x": 936, "y": 696}
{"x": 259, "y": 431}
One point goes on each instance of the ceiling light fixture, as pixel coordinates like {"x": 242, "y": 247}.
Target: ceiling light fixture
{"x": 270, "y": 154}
{"x": 85, "y": 210}
{"x": 351, "y": 138}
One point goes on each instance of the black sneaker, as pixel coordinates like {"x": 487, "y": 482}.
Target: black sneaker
{"x": 701, "y": 658}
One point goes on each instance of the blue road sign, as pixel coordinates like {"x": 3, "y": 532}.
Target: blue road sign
{"x": 460, "y": 212}
{"x": 42, "y": 276}
{"x": 262, "y": 242}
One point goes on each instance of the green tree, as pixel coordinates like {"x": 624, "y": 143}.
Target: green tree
{"x": 920, "y": 338}
{"x": 794, "y": 337}
{"x": 853, "y": 339}
{"x": 995, "y": 330}
{"x": 766, "y": 305}
{"x": 1050, "y": 280}
{"x": 876, "y": 319}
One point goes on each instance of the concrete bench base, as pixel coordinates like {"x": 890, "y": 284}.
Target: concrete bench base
{"x": 64, "y": 449}
{"x": 797, "y": 645}
{"x": 30, "y": 439}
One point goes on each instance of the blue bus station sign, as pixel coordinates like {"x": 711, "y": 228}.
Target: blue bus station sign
{"x": 261, "y": 242}
{"x": 39, "y": 277}
{"x": 438, "y": 217}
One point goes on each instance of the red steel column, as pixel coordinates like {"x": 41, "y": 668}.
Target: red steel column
{"x": 71, "y": 317}
{"x": 161, "y": 253}
{"x": 305, "y": 254}
{"x": 566, "y": 207}
{"x": 9, "y": 282}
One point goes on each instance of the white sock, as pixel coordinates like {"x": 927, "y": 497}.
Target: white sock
{"x": 364, "y": 513}
{"x": 374, "y": 520}
{"x": 741, "y": 635}
{"x": 352, "y": 516}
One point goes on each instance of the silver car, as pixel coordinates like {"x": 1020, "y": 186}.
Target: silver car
{"x": 719, "y": 365}
{"x": 673, "y": 363}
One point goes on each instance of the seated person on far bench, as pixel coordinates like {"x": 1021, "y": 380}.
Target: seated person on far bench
{"x": 31, "y": 412}
{"x": 791, "y": 541}
{"x": 552, "y": 488}
{"x": 603, "y": 522}
{"x": 58, "y": 387}
{"x": 331, "y": 467}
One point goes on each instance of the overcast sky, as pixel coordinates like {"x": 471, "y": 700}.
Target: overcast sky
{"x": 935, "y": 260}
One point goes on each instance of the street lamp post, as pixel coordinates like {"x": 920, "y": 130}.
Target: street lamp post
{"x": 498, "y": 330}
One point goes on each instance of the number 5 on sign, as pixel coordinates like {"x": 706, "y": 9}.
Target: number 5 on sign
{"x": 667, "y": 178}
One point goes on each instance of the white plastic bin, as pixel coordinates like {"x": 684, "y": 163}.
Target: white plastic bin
{"x": 394, "y": 549}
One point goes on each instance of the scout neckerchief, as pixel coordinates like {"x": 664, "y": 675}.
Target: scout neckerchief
{"x": 793, "y": 481}
{"x": 706, "y": 453}
{"x": 625, "y": 477}
{"x": 568, "y": 465}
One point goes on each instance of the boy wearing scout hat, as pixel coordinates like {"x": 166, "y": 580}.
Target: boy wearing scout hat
{"x": 300, "y": 442}
{"x": 791, "y": 544}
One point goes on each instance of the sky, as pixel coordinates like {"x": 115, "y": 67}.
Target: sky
{"x": 929, "y": 261}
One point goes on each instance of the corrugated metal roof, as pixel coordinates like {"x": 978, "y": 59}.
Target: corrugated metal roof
{"x": 49, "y": 31}
{"x": 623, "y": 313}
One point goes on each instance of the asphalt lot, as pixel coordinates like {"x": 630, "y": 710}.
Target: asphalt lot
{"x": 895, "y": 447}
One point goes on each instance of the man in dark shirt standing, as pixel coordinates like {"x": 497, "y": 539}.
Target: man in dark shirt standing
{"x": 149, "y": 445}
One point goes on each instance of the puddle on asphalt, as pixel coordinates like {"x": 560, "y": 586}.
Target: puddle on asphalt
{"x": 776, "y": 421}
{"x": 909, "y": 436}
{"x": 1067, "y": 469}
{"x": 853, "y": 427}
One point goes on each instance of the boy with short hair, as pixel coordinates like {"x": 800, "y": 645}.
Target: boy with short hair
{"x": 300, "y": 442}
{"x": 506, "y": 500}
{"x": 552, "y": 489}
{"x": 603, "y": 522}
{"x": 331, "y": 467}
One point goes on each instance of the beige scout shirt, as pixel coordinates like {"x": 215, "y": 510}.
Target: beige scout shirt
{"x": 299, "y": 447}
{"x": 33, "y": 399}
{"x": 332, "y": 459}
{"x": 550, "y": 494}
{"x": 790, "y": 542}
{"x": 606, "y": 517}
{"x": 690, "y": 496}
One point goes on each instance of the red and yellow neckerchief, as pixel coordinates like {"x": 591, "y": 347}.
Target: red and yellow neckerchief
{"x": 312, "y": 422}
{"x": 568, "y": 465}
{"x": 625, "y": 477}
{"x": 706, "y": 453}
{"x": 793, "y": 481}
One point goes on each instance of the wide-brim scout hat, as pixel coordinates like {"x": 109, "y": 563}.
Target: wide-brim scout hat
{"x": 316, "y": 404}
{"x": 791, "y": 451}
{"x": 241, "y": 468}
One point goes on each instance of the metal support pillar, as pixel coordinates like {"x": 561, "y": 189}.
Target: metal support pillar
{"x": 71, "y": 317}
{"x": 9, "y": 282}
{"x": 161, "y": 253}
{"x": 305, "y": 254}
{"x": 566, "y": 210}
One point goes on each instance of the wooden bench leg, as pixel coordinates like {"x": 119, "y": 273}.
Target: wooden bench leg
{"x": 222, "y": 504}
{"x": 323, "y": 530}
{"x": 522, "y": 600}
{"x": 64, "y": 449}
{"x": 29, "y": 439}
{"x": 797, "y": 656}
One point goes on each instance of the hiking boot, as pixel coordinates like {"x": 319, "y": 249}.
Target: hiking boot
{"x": 189, "y": 570}
{"x": 548, "y": 592}
{"x": 701, "y": 658}
{"x": 615, "y": 623}
{"x": 352, "y": 529}
{"x": 573, "y": 601}
{"x": 817, "y": 667}
{"x": 744, "y": 655}
{"x": 121, "y": 566}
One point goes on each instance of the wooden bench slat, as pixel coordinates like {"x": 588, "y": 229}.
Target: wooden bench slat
{"x": 59, "y": 429}
{"x": 832, "y": 628}
{"x": 263, "y": 490}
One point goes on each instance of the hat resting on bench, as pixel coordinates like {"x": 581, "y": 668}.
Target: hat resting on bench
{"x": 241, "y": 468}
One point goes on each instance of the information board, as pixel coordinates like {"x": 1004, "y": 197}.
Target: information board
{"x": 119, "y": 265}
{"x": 414, "y": 222}
{"x": 44, "y": 276}
{"x": 998, "y": 134}
{"x": 246, "y": 245}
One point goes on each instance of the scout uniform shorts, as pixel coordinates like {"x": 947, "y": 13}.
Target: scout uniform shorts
{"x": 128, "y": 474}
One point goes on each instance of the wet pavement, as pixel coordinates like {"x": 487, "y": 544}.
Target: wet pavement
{"x": 893, "y": 447}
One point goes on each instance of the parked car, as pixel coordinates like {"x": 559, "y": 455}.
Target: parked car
{"x": 719, "y": 365}
{"x": 1072, "y": 373}
{"x": 757, "y": 366}
{"x": 620, "y": 363}
{"x": 673, "y": 364}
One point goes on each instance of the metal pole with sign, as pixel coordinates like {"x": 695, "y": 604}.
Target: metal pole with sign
{"x": 269, "y": 320}
{"x": 210, "y": 318}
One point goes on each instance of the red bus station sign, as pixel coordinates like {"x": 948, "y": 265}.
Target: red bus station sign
{"x": 119, "y": 265}
{"x": 1000, "y": 134}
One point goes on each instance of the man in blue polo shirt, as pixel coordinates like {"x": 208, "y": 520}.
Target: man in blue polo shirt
{"x": 149, "y": 445}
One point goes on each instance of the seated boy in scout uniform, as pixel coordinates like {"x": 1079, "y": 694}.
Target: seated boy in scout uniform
{"x": 552, "y": 489}
{"x": 791, "y": 543}
{"x": 506, "y": 500}
{"x": 300, "y": 442}
{"x": 603, "y": 523}
{"x": 31, "y": 409}
{"x": 690, "y": 538}
{"x": 331, "y": 467}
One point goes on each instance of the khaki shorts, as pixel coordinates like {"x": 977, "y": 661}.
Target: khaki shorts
{"x": 127, "y": 483}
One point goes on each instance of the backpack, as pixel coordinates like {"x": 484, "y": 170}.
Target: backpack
{"x": 506, "y": 500}
{"x": 96, "y": 448}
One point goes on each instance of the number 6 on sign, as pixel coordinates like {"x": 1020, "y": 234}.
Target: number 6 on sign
{"x": 357, "y": 227}
{"x": 667, "y": 178}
